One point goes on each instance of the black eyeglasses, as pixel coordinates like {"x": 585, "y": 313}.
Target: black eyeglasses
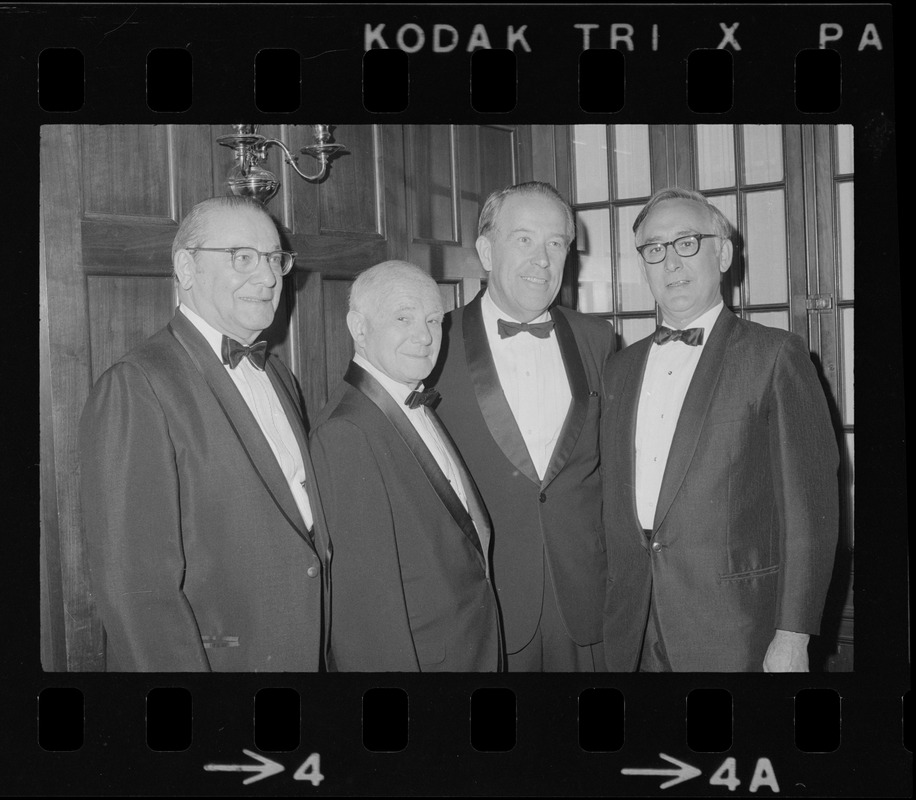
{"x": 246, "y": 259}
{"x": 684, "y": 246}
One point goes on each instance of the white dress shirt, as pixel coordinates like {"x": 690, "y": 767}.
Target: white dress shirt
{"x": 534, "y": 381}
{"x": 669, "y": 370}
{"x": 419, "y": 418}
{"x": 261, "y": 397}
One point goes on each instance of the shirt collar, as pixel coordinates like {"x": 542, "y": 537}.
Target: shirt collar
{"x": 214, "y": 337}
{"x": 492, "y": 312}
{"x": 396, "y": 389}
{"x": 707, "y": 320}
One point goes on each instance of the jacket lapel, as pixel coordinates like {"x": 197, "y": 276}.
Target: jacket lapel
{"x": 693, "y": 413}
{"x": 578, "y": 387}
{"x": 490, "y": 396}
{"x": 241, "y": 420}
{"x": 292, "y": 406}
{"x": 363, "y": 382}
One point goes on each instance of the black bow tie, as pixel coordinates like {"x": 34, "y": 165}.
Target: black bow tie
{"x": 540, "y": 329}
{"x": 691, "y": 336}
{"x": 426, "y": 398}
{"x": 234, "y": 351}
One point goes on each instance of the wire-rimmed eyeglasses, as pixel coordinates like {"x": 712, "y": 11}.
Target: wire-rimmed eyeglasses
{"x": 246, "y": 259}
{"x": 684, "y": 246}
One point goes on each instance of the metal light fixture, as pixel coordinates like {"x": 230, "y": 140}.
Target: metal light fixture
{"x": 249, "y": 179}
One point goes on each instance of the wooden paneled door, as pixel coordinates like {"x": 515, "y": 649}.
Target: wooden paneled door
{"x": 111, "y": 200}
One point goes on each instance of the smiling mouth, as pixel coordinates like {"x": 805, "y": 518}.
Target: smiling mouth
{"x": 535, "y": 281}
{"x": 675, "y": 284}
{"x": 256, "y": 299}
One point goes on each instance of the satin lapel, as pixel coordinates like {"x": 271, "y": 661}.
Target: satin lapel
{"x": 578, "y": 387}
{"x": 490, "y": 396}
{"x": 241, "y": 420}
{"x": 293, "y": 408}
{"x": 693, "y": 413}
{"x": 363, "y": 382}
{"x": 625, "y": 444}
{"x": 476, "y": 508}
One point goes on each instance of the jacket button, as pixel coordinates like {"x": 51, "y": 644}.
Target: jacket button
{"x": 656, "y": 546}
{"x": 312, "y": 572}
{"x": 543, "y": 497}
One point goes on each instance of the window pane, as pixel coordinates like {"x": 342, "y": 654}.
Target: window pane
{"x": 844, "y": 150}
{"x": 593, "y": 243}
{"x": 631, "y": 160}
{"x": 847, "y": 245}
{"x": 590, "y": 156}
{"x": 846, "y": 348}
{"x": 634, "y": 329}
{"x": 762, "y": 153}
{"x": 766, "y": 247}
{"x": 633, "y": 291}
{"x": 732, "y": 279}
{"x": 772, "y": 319}
{"x": 716, "y": 156}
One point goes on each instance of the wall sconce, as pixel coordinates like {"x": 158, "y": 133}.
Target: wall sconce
{"x": 249, "y": 179}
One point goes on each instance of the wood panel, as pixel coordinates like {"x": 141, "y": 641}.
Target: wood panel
{"x": 122, "y": 171}
{"x": 498, "y": 159}
{"x": 123, "y": 311}
{"x": 67, "y": 385}
{"x": 349, "y": 202}
{"x": 338, "y": 341}
{"x": 432, "y": 157}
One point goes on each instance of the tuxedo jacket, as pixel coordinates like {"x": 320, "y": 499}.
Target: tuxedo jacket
{"x": 746, "y": 524}
{"x": 411, "y": 584}
{"x": 198, "y": 553}
{"x": 551, "y": 524}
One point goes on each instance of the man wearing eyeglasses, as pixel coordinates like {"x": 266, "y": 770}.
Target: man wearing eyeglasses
{"x": 720, "y": 470}
{"x": 207, "y": 543}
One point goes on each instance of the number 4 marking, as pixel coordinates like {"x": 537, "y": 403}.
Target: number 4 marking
{"x": 763, "y": 776}
{"x": 310, "y": 770}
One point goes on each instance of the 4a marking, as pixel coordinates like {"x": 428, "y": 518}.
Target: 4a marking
{"x": 725, "y": 775}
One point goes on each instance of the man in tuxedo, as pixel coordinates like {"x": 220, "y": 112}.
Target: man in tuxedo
{"x": 411, "y": 572}
{"x": 520, "y": 395}
{"x": 720, "y": 470}
{"x": 207, "y": 544}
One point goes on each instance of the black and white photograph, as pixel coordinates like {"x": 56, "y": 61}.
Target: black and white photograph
{"x": 450, "y": 400}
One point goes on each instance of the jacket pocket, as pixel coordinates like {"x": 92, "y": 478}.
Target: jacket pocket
{"x": 750, "y": 574}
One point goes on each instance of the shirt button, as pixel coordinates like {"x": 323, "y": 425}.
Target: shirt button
{"x": 312, "y": 572}
{"x": 543, "y": 497}
{"x": 656, "y": 546}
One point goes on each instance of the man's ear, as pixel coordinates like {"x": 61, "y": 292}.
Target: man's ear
{"x": 725, "y": 255}
{"x": 356, "y": 323}
{"x": 185, "y": 269}
{"x": 484, "y": 247}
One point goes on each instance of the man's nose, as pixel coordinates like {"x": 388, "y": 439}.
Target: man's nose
{"x": 263, "y": 273}
{"x": 673, "y": 261}
{"x": 422, "y": 334}
{"x": 540, "y": 256}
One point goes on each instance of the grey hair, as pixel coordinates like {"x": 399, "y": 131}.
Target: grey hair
{"x": 721, "y": 226}
{"x": 370, "y": 285}
{"x": 494, "y": 203}
{"x": 194, "y": 226}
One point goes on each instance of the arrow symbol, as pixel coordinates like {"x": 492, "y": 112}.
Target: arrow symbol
{"x": 265, "y": 769}
{"x": 684, "y": 772}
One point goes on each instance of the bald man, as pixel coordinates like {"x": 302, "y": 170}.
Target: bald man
{"x": 412, "y": 590}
